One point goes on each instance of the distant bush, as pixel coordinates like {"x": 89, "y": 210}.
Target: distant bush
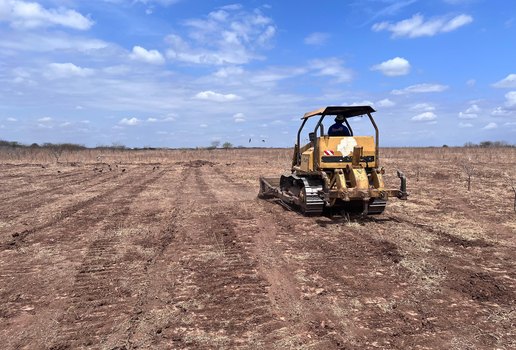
{"x": 488, "y": 144}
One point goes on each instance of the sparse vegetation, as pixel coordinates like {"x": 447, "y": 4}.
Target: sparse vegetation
{"x": 186, "y": 250}
{"x": 488, "y": 144}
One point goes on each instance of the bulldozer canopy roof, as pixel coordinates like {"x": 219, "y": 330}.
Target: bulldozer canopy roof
{"x": 346, "y": 111}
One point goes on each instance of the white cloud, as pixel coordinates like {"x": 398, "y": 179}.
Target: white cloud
{"x": 500, "y": 112}
{"x": 45, "y": 119}
{"x": 470, "y": 113}
{"x": 332, "y": 67}
{"x": 229, "y": 71}
{"x": 203, "y": 125}
{"x": 11, "y": 119}
{"x": 510, "y": 99}
{"x": 360, "y": 103}
{"x": 39, "y": 42}
{"x": 385, "y": 103}
{"x": 160, "y": 2}
{"x": 490, "y": 126}
{"x": 28, "y": 15}
{"x": 152, "y": 120}
{"x": 420, "y": 88}
{"x": 465, "y": 125}
{"x": 227, "y": 36}
{"x": 215, "y": 96}
{"x": 129, "y": 121}
{"x": 317, "y": 39}
{"x": 149, "y": 56}
{"x": 507, "y": 82}
{"x": 416, "y": 26}
{"x": 471, "y": 82}
{"x": 426, "y": 107}
{"x": 66, "y": 70}
{"x": 424, "y": 117}
{"x": 239, "y": 117}
{"x": 272, "y": 75}
{"x": 393, "y": 67}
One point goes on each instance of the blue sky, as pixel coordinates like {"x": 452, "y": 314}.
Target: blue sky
{"x": 183, "y": 73}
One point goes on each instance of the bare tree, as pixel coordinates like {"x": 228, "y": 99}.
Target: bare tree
{"x": 55, "y": 150}
{"x": 468, "y": 168}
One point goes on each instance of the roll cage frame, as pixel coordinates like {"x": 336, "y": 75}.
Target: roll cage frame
{"x": 347, "y": 112}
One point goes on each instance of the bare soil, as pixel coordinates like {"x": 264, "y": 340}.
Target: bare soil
{"x": 178, "y": 253}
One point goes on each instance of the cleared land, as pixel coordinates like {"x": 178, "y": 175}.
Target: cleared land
{"x": 172, "y": 249}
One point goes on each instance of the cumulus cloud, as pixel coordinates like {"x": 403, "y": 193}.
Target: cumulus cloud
{"x": 66, "y": 70}
{"x": 385, "y": 103}
{"x": 148, "y": 56}
{"x": 393, "y": 67}
{"x": 317, "y": 39}
{"x": 239, "y": 117}
{"x": 416, "y": 26}
{"x": 507, "y": 82}
{"x": 331, "y": 67}
{"x": 490, "y": 126}
{"x": 229, "y": 35}
{"x": 420, "y": 88}
{"x": 129, "y": 121}
{"x": 215, "y": 96}
{"x": 470, "y": 113}
{"x": 465, "y": 125}
{"x": 424, "y": 117}
{"x": 28, "y": 15}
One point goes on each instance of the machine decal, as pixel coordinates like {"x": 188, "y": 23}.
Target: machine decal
{"x": 328, "y": 152}
{"x": 346, "y": 145}
{"x": 346, "y": 159}
{"x": 336, "y": 159}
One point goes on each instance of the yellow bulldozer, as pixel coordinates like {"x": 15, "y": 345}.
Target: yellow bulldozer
{"x": 337, "y": 172}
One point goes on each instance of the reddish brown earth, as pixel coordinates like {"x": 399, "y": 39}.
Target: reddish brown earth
{"x": 179, "y": 253}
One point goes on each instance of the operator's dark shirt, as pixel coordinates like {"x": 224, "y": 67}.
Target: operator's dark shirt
{"x": 338, "y": 129}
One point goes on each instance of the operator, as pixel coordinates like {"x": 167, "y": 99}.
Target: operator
{"x": 338, "y": 129}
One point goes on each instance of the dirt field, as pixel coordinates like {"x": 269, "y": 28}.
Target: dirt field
{"x": 172, "y": 250}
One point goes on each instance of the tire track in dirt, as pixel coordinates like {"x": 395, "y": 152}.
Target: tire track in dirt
{"x": 22, "y": 264}
{"x": 101, "y": 295}
{"x": 151, "y": 285}
{"x": 491, "y": 284}
{"x": 215, "y": 296}
{"x": 34, "y": 199}
{"x": 299, "y": 319}
{"x": 340, "y": 276}
{"x": 50, "y": 180}
{"x": 18, "y": 238}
